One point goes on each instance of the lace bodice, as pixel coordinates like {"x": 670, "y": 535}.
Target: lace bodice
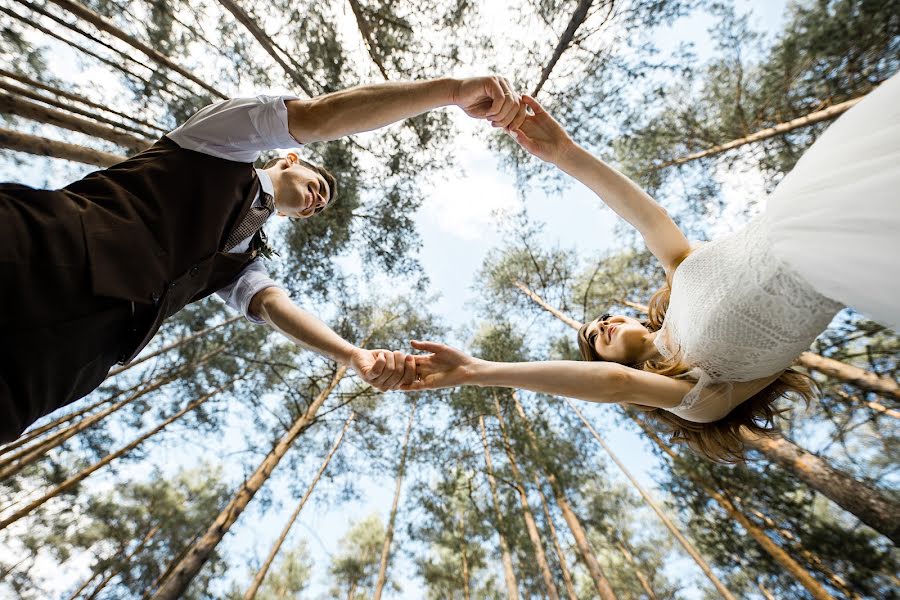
{"x": 738, "y": 313}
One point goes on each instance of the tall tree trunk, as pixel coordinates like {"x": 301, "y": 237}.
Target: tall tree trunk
{"x": 36, "y": 433}
{"x": 176, "y": 344}
{"x": 82, "y": 587}
{"x": 812, "y": 559}
{"x": 578, "y": 17}
{"x": 464, "y": 559}
{"x": 69, "y": 107}
{"x": 530, "y": 524}
{"x": 275, "y": 51}
{"x": 864, "y": 380}
{"x": 670, "y": 525}
{"x": 109, "y": 577}
{"x": 389, "y": 534}
{"x": 512, "y": 587}
{"x": 181, "y": 573}
{"x": 17, "y": 461}
{"x": 770, "y": 547}
{"x": 644, "y": 581}
{"x": 75, "y": 479}
{"x": 93, "y": 38}
{"x": 87, "y": 52}
{"x": 39, "y": 146}
{"x": 870, "y": 506}
{"x": 12, "y": 105}
{"x": 601, "y": 583}
{"x": 261, "y": 574}
{"x": 104, "y": 24}
{"x": 554, "y": 537}
{"x": 366, "y": 32}
{"x": 812, "y": 118}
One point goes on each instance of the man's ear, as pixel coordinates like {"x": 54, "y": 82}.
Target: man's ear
{"x": 292, "y": 158}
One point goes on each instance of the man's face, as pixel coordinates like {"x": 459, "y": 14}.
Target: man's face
{"x": 304, "y": 192}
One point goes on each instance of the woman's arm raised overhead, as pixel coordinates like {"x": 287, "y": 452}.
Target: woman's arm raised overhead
{"x": 542, "y": 136}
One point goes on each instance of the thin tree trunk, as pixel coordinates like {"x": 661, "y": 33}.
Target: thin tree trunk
{"x": 16, "y": 462}
{"x": 765, "y": 592}
{"x": 181, "y": 573}
{"x": 75, "y": 479}
{"x": 644, "y": 581}
{"x": 601, "y": 583}
{"x": 389, "y": 534}
{"x": 578, "y": 17}
{"x": 366, "y": 32}
{"x": 34, "y": 434}
{"x": 179, "y": 342}
{"x": 91, "y": 114}
{"x": 869, "y": 505}
{"x": 512, "y": 587}
{"x": 39, "y": 146}
{"x": 261, "y": 574}
{"x": 554, "y": 537}
{"x": 817, "y": 563}
{"x": 812, "y": 118}
{"x": 770, "y": 547}
{"x": 84, "y": 50}
{"x": 104, "y": 24}
{"x": 864, "y": 380}
{"x": 670, "y": 525}
{"x": 30, "y": 110}
{"x": 80, "y": 99}
{"x": 530, "y": 524}
{"x": 464, "y": 558}
{"x": 83, "y": 585}
{"x": 153, "y": 531}
{"x": 268, "y": 44}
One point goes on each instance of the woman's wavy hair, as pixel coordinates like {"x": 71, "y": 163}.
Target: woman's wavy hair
{"x": 721, "y": 441}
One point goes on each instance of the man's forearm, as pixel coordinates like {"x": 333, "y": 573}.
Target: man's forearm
{"x": 275, "y": 307}
{"x": 365, "y": 107}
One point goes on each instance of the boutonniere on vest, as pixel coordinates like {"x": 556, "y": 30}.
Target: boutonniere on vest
{"x": 260, "y": 245}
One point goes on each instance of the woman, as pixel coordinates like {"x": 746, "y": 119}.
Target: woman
{"x": 736, "y": 312}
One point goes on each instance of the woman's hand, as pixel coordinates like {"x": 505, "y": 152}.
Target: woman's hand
{"x": 541, "y": 135}
{"x": 443, "y": 367}
{"x": 383, "y": 369}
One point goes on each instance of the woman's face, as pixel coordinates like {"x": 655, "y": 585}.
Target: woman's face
{"x": 618, "y": 338}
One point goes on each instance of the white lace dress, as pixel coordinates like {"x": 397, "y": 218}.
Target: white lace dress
{"x": 744, "y": 306}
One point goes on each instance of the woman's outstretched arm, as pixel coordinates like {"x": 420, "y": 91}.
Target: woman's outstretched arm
{"x": 445, "y": 366}
{"x": 542, "y": 136}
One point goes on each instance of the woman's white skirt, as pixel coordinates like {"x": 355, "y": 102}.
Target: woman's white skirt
{"x": 835, "y": 218}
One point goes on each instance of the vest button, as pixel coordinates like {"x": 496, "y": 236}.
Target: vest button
{"x": 194, "y": 270}
{"x": 154, "y": 297}
{"x": 173, "y": 284}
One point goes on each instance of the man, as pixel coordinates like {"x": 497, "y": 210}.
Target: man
{"x": 90, "y": 272}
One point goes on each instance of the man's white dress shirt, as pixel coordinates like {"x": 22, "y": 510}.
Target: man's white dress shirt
{"x": 239, "y": 129}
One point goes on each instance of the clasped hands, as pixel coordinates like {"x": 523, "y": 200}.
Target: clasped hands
{"x": 491, "y": 99}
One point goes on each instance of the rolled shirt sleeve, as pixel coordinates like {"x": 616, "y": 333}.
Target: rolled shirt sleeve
{"x": 238, "y": 294}
{"x": 237, "y": 129}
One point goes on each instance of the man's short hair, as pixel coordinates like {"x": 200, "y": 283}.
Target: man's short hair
{"x": 325, "y": 173}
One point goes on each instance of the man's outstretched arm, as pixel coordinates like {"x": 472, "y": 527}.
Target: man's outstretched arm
{"x": 382, "y": 369}
{"x": 368, "y": 107}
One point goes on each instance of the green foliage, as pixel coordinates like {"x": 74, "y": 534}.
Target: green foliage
{"x": 355, "y": 567}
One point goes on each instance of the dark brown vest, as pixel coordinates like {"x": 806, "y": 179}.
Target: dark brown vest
{"x": 154, "y": 229}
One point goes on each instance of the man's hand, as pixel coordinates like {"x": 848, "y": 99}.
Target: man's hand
{"x": 490, "y": 98}
{"x": 445, "y": 366}
{"x": 383, "y": 369}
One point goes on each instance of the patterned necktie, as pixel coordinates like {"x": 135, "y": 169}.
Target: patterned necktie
{"x": 253, "y": 221}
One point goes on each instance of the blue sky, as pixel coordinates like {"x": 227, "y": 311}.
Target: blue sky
{"x": 457, "y": 230}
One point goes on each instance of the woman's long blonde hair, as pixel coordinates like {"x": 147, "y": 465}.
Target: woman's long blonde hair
{"x": 723, "y": 440}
